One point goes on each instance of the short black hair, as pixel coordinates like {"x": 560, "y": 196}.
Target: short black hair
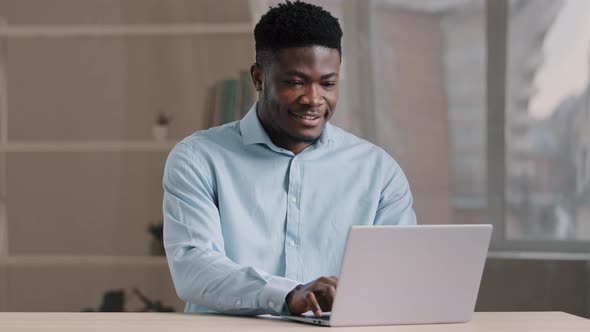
{"x": 295, "y": 24}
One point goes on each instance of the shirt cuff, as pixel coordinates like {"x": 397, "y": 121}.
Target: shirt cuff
{"x": 272, "y": 297}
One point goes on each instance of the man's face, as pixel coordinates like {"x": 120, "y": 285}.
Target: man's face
{"x": 299, "y": 91}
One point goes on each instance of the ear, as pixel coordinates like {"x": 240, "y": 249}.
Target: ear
{"x": 256, "y": 73}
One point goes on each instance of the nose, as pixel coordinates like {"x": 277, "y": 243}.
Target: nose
{"x": 312, "y": 96}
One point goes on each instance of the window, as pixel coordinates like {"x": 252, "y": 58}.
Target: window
{"x": 485, "y": 106}
{"x": 544, "y": 77}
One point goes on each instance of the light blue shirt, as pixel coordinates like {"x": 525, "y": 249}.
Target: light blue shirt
{"x": 246, "y": 221}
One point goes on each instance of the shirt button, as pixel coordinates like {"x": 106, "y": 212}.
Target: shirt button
{"x": 238, "y": 302}
{"x": 293, "y": 199}
{"x": 292, "y": 243}
{"x": 271, "y": 304}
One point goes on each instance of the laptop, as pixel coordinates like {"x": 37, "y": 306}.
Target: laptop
{"x": 421, "y": 274}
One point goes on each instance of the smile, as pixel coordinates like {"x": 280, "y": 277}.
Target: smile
{"x": 306, "y": 120}
{"x": 308, "y": 117}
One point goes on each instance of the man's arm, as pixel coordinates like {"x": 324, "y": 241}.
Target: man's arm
{"x": 395, "y": 204}
{"x": 201, "y": 272}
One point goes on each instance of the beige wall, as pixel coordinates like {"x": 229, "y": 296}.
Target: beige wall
{"x": 105, "y": 89}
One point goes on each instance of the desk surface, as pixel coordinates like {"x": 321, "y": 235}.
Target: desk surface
{"x": 170, "y": 322}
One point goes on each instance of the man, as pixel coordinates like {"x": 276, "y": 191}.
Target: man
{"x": 256, "y": 212}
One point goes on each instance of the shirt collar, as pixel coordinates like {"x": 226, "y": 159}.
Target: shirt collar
{"x": 253, "y": 132}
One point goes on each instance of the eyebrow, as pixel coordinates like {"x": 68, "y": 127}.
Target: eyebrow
{"x": 302, "y": 75}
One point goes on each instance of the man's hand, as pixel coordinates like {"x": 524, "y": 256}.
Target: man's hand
{"x": 316, "y": 296}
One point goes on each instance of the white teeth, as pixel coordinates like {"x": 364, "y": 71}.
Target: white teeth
{"x": 308, "y": 117}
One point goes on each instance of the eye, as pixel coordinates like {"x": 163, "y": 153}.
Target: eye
{"x": 294, "y": 83}
{"x": 329, "y": 84}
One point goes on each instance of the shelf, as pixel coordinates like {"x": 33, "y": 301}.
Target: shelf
{"x": 88, "y": 146}
{"x": 129, "y": 30}
{"x": 82, "y": 260}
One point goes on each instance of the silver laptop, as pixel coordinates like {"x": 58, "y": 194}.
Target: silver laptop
{"x": 425, "y": 274}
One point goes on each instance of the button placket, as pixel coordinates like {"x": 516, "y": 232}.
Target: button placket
{"x": 292, "y": 227}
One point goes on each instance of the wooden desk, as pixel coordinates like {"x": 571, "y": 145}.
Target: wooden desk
{"x": 170, "y": 322}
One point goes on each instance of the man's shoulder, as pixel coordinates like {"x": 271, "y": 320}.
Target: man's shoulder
{"x": 212, "y": 138}
{"x": 347, "y": 140}
{"x": 203, "y": 146}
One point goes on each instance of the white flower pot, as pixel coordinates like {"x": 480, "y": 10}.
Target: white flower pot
{"x": 160, "y": 133}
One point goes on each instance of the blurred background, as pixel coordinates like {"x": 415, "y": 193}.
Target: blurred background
{"x": 485, "y": 104}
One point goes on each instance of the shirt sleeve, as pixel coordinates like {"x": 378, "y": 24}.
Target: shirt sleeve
{"x": 395, "y": 203}
{"x": 202, "y": 274}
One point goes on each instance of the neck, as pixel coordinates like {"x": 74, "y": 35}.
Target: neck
{"x": 281, "y": 139}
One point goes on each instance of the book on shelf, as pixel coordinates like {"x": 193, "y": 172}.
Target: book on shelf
{"x": 247, "y": 93}
{"x": 212, "y": 106}
{"x": 230, "y": 99}
{"x": 228, "y": 93}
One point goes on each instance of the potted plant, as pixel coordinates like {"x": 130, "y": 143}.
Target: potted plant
{"x": 160, "y": 129}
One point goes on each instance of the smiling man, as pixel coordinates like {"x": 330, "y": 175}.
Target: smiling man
{"x": 256, "y": 212}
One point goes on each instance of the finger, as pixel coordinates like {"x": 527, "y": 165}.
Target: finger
{"x": 331, "y": 295}
{"x": 335, "y": 280}
{"x": 322, "y": 288}
{"x": 313, "y": 305}
{"x": 332, "y": 281}
{"x": 324, "y": 294}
